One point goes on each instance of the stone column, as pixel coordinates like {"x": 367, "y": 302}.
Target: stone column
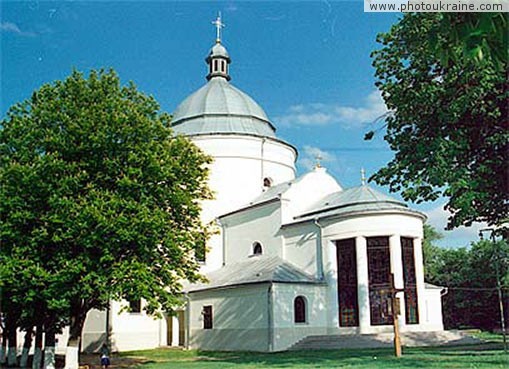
{"x": 331, "y": 276}
{"x": 175, "y": 330}
{"x": 419, "y": 279}
{"x": 363, "y": 284}
{"x": 397, "y": 270}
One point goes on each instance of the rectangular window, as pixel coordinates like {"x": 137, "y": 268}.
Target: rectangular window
{"x": 207, "y": 317}
{"x": 347, "y": 283}
{"x": 379, "y": 272}
{"x": 135, "y": 306}
{"x": 409, "y": 280}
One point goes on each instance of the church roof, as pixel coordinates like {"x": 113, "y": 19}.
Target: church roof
{"x": 219, "y": 107}
{"x": 257, "y": 269}
{"x": 355, "y": 200}
{"x": 273, "y": 192}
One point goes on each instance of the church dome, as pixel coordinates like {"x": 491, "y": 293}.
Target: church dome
{"x": 219, "y": 107}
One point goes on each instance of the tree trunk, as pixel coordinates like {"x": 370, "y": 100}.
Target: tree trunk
{"x": 79, "y": 314}
{"x": 36, "y": 361}
{"x": 26, "y": 348}
{"x": 49, "y": 350}
{"x": 12, "y": 352}
{"x": 3, "y": 347}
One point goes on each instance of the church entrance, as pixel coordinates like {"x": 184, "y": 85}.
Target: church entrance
{"x": 176, "y": 333}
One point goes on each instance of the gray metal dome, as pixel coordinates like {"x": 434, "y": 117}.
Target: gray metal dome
{"x": 219, "y": 50}
{"x": 219, "y": 107}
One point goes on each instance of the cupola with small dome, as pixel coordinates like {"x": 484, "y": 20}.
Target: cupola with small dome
{"x": 218, "y": 106}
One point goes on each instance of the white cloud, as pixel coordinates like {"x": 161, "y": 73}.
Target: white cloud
{"x": 13, "y": 28}
{"x": 309, "y": 155}
{"x": 372, "y": 108}
{"x": 462, "y": 236}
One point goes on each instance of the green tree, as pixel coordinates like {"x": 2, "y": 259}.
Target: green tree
{"x": 448, "y": 124}
{"x": 98, "y": 192}
{"x": 432, "y": 254}
{"x": 479, "y": 36}
{"x": 470, "y": 275}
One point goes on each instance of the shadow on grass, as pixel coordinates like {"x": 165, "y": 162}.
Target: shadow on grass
{"x": 412, "y": 358}
{"x": 416, "y": 358}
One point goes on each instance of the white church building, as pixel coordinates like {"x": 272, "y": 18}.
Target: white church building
{"x": 295, "y": 256}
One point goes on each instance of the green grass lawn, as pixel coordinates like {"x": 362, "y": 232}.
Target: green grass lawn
{"x": 486, "y": 356}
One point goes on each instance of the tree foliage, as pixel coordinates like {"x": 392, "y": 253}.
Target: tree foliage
{"x": 99, "y": 200}
{"x": 470, "y": 275}
{"x": 448, "y": 124}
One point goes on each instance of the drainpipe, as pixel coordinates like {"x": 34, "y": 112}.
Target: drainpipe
{"x": 188, "y": 322}
{"x": 262, "y": 154}
{"x": 319, "y": 251}
{"x": 270, "y": 319}
{"x": 223, "y": 239}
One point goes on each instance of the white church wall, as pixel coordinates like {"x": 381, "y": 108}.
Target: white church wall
{"x": 94, "y": 331}
{"x": 300, "y": 243}
{"x": 135, "y": 331}
{"x": 239, "y": 319}
{"x": 237, "y": 171}
{"x": 371, "y": 225}
{"x": 259, "y": 224}
{"x": 286, "y": 331}
{"x": 240, "y": 163}
{"x": 432, "y": 307}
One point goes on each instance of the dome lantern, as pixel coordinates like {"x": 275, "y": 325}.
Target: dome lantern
{"x": 218, "y": 58}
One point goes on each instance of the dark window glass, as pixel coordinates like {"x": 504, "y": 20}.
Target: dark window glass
{"x": 257, "y": 248}
{"x": 347, "y": 283}
{"x": 379, "y": 272}
{"x": 299, "y": 308}
{"x": 215, "y": 66}
{"x": 135, "y": 306}
{"x": 207, "y": 317}
{"x": 409, "y": 280}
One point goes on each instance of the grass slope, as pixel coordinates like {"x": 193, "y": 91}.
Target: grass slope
{"x": 489, "y": 356}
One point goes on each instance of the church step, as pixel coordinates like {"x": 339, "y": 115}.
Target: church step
{"x": 410, "y": 339}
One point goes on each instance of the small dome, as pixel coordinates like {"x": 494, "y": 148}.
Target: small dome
{"x": 219, "y": 107}
{"x": 361, "y": 199}
{"x": 219, "y": 50}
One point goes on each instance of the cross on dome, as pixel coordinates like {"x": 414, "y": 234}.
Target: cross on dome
{"x": 363, "y": 177}
{"x": 318, "y": 159}
{"x": 218, "y": 58}
{"x": 218, "y": 25}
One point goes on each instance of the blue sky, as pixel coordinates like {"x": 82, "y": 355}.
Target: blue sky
{"x": 306, "y": 63}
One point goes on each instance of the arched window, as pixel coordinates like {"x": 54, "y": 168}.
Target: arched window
{"x": 267, "y": 182}
{"x": 257, "y": 248}
{"x": 299, "y": 309}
